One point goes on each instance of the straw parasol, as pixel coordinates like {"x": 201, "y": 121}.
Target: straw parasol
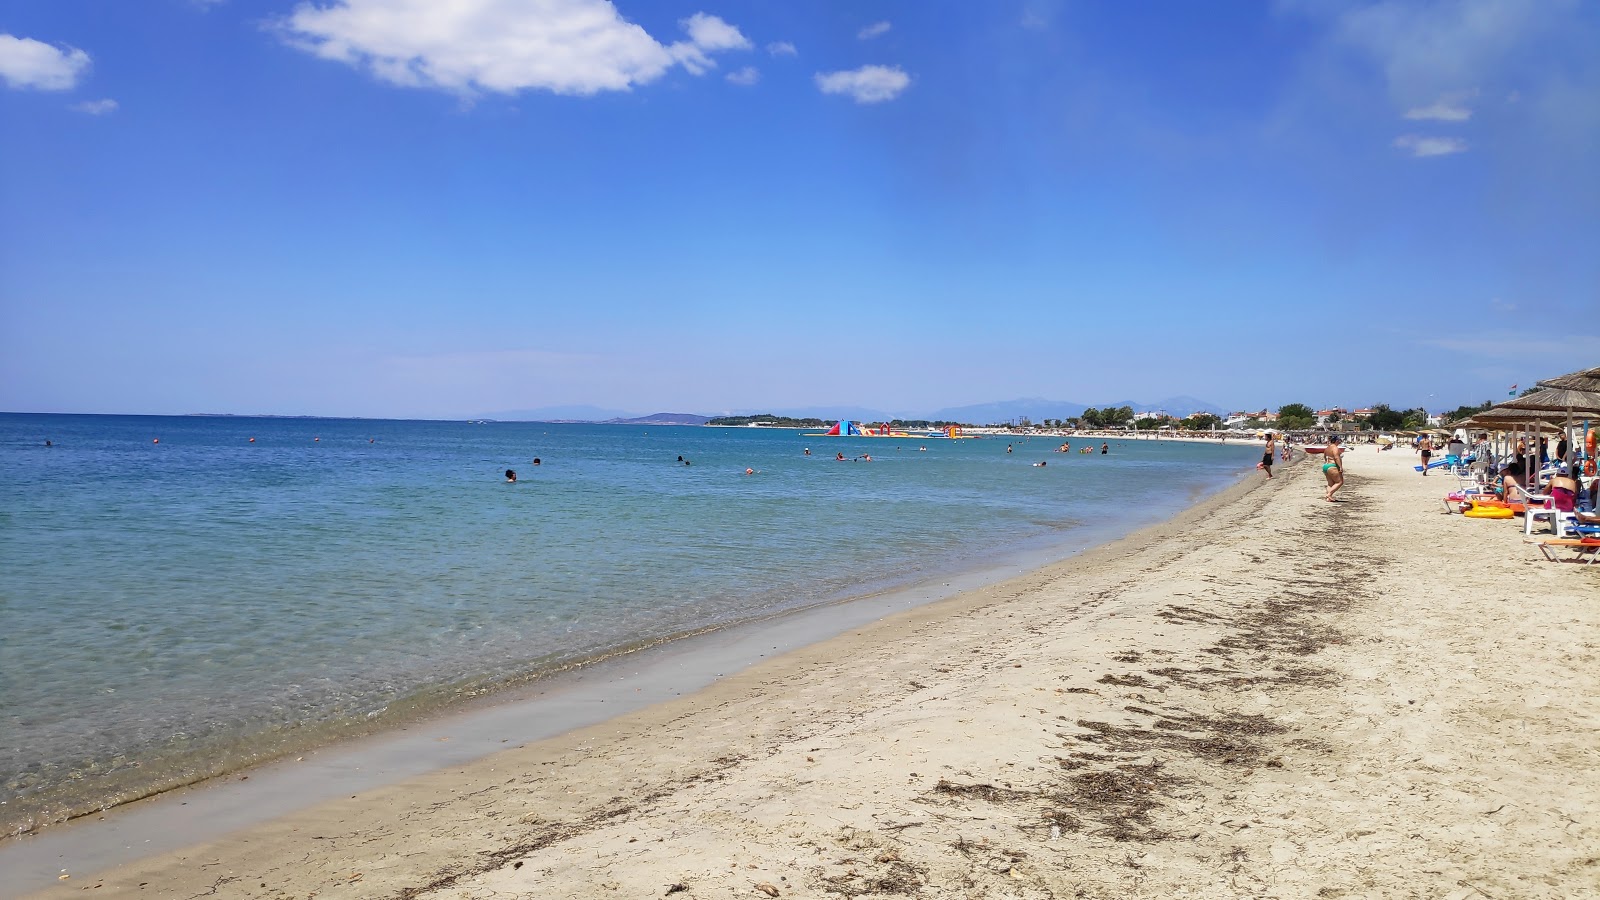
{"x": 1556, "y": 399}
{"x": 1583, "y": 380}
{"x": 1510, "y": 419}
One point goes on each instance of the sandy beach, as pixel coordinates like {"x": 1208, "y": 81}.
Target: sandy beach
{"x": 1269, "y": 696}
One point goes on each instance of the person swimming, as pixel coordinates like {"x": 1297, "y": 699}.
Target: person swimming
{"x": 536, "y": 460}
{"x": 511, "y": 476}
{"x": 1104, "y": 449}
{"x": 839, "y": 457}
{"x": 1039, "y": 465}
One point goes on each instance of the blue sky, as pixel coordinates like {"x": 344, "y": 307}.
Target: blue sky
{"x": 414, "y": 208}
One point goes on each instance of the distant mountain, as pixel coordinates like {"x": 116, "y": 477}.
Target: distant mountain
{"x": 829, "y": 413}
{"x": 1037, "y": 409}
{"x": 1033, "y": 408}
{"x": 1187, "y": 406}
{"x": 575, "y": 413}
{"x": 661, "y": 419}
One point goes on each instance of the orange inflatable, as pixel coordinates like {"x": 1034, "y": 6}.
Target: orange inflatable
{"x": 1588, "y": 450}
{"x": 1516, "y": 506}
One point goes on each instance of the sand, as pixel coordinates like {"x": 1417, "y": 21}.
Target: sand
{"x": 1270, "y": 696}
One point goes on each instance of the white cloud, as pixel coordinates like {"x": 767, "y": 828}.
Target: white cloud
{"x": 1449, "y": 108}
{"x": 1426, "y": 51}
{"x": 1501, "y": 346}
{"x": 1440, "y": 112}
{"x": 706, "y": 33}
{"x": 782, "y": 48}
{"x": 576, "y": 47}
{"x": 868, "y": 84}
{"x": 745, "y": 76}
{"x": 1421, "y": 145}
{"x": 27, "y": 63}
{"x": 873, "y": 30}
{"x": 711, "y": 33}
{"x": 96, "y": 107}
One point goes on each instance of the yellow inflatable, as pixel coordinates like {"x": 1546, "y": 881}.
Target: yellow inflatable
{"x": 1474, "y": 511}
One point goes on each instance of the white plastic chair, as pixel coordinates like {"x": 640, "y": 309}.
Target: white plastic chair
{"x": 1559, "y": 520}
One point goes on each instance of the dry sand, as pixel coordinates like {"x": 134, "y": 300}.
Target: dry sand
{"x": 1272, "y": 696}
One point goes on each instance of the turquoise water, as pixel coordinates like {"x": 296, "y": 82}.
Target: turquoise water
{"x": 177, "y": 609}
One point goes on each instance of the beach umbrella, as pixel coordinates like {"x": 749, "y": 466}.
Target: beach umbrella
{"x": 1556, "y": 399}
{"x": 1581, "y": 380}
{"x": 1563, "y": 395}
{"x": 1510, "y": 420}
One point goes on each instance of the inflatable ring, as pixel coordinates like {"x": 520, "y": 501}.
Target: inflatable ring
{"x": 1475, "y": 511}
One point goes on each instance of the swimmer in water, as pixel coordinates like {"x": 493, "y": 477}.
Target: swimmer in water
{"x": 1039, "y": 465}
{"x": 1104, "y": 449}
{"x": 839, "y": 457}
{"x": 536, "y": 461}
{"x": 808, "y": 451}
{"x": 749, "y": 471}
{"x": 511, "y": 476}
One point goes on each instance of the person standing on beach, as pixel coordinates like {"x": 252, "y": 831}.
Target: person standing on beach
{"x": 1332, "y": 466}
{"x": 1266, "y": 458}
{"x": 1425, "y": 450}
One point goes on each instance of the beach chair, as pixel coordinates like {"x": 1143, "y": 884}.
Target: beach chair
{"x": 1585, "y": 550}
{"x": 1561, "y": 521}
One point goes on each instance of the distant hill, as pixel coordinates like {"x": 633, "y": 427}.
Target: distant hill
{"x": 661, "y": 419}
{"x": 1037, "y": 409}
{"x": 574, "y": 413}
{"x": 829, "y": 413}
{"x": 1177, "y": 407}
{"x": 1033, "y": 408}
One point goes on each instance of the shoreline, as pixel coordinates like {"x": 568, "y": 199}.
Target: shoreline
{"x": 135, "y": 771}
{"x": 1254, "y": 696}
{"x": 730, "y": 648}
{"x": 480, "y": 695}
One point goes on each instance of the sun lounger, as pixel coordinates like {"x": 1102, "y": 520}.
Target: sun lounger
{"x": 1586, "y": 550}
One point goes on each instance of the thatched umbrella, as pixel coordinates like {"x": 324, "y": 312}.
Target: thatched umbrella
{"x": 1583, "y": 380}
{"x": 1552, "y": 398}
{"x": 1527, "y": 424}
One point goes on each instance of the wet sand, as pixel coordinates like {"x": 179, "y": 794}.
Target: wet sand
{"x": 1268, "y": 696}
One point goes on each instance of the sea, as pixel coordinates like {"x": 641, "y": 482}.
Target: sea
{"x": 182, "y": 597}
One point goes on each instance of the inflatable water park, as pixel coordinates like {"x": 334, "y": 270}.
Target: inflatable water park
{"x": 847, "y": 428}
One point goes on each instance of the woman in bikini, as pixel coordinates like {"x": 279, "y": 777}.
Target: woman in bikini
{"x": 1332, "y": 466}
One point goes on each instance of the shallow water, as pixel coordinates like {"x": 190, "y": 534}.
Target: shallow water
{"x": 172, "y": 610}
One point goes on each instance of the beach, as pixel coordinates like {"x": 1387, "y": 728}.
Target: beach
{"x": 1267, "y": 695}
